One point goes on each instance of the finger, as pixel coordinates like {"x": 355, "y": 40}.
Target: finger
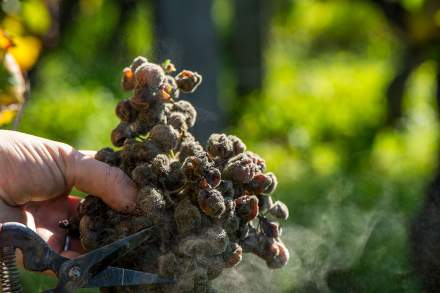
{"x": 48, "y": 213}
{"x": 88, "y": 153}
{"x": 75, "y": 243}
{"x": 109, "y": 183}
{"x": 73, "y": 203}
{"x": 43, "y": 217}
{"x": 54, "y": 240}
{"x": 30, "y": 220}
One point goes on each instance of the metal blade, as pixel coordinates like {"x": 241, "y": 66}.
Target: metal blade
{"x": 97, "y": 260}
{"x": 113, "y": 276}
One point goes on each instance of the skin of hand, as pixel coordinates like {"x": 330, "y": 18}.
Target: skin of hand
{"x": 36, "y": 177}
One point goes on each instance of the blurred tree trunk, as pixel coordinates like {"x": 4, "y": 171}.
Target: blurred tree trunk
{"x": 424, "y": 236}
{"x": 250, "y": 34}
{"x": 408, "y": 62}
{"x": 419, "y": 43}
{"x": 185, "y": 34}
{"x": 126, "y": 8}
{"x": 396, "y": 16}
{"x": 66, "y": 14}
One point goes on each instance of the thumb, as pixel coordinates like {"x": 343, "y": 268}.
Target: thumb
{"x": 109, "y": 183}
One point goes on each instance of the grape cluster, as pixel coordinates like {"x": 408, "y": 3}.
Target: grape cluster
{"x": 207, "y": 206}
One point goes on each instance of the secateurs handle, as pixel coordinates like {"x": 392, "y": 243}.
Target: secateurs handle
{"x": 37, "y": 255}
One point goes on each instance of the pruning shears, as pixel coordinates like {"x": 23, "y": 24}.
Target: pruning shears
{"x": 91, "y": 270}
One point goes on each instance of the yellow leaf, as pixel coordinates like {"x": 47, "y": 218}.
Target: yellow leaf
{"x": 26, "y": 51}
{"x": 7, "y": 115}
{"x": 5, "y": 41}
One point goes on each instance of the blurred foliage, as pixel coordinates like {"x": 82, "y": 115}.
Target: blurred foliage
{"x": 22, "y": 25}
{"x": 76, "y": 86}
{"x": 26, "y": 22}
{"x": 12, "y": 84}
{"x": 351, "y": 184}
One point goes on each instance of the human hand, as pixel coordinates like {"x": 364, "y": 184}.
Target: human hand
{"x": 37, "y": 175}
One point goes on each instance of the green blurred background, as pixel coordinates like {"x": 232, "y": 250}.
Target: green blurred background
{"x": 340, "y": 98}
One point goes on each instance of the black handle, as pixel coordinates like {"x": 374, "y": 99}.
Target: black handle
{"x": 37, "y": 255}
